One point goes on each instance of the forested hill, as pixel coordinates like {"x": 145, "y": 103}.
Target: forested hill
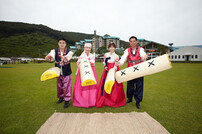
{"x": 31, "y": 40}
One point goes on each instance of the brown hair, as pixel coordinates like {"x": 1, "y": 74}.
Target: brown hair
{"x": 111, "y": 45}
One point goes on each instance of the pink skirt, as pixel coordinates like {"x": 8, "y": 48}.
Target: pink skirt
{"x": 84, "y": 96}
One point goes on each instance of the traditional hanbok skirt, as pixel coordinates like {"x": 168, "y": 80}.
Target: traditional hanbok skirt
{"x": 117, "y": 96}
{"x": 84, "y": 96}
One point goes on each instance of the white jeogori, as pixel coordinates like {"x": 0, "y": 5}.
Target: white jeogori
{"x": 69, "y": 55}
{"x": 110, "y": 79}
{"x": 151, "y": 66}
{"x": 86, "y": 72}
{"x": 51, "y": 73}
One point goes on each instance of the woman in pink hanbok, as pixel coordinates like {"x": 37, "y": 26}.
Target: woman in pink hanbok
{"x": 85, "y": 96}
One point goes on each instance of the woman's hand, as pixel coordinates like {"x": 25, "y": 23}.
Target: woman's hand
{"x": 115, "y": 68}
{"x": 77, "y": 63}
{"x": 118, "y": 64}
{"x": 106, "y": 68}
{"x": 91, "y": 64}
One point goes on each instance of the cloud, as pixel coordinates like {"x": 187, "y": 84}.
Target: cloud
{"x": 158, "y": 20}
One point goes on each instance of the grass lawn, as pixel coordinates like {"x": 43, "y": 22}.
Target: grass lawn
{"x": 172, "y": 97}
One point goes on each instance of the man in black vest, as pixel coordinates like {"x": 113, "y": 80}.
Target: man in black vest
{"x": 64, "y": 86}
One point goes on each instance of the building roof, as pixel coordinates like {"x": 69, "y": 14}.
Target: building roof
{"x": 88, "y": 40}
{"x": 110, "y": 37}
{"x": 78, "y": 43}
{"x": 188, "y": 51}
{"x": 179, "y": 47}
{"x": 73, "y": 47}
{"x": 143, "y": 40}
{"x": 82, "y": 41}
{"x": 159, "y": 43}
{"x": 197, "y": 46}
{"x": 148, "y": 42}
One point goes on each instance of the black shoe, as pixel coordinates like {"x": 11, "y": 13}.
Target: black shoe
{"x": 60, "y": 100}
{"x": 138, "y": 105}
{"x": 128, "y": 101}
{"x": 66, "y": 104}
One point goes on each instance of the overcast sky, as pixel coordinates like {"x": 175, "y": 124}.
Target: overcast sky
{"x": 163, "y": 21}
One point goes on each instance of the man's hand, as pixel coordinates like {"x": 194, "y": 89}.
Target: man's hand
{"x": 47, "y": 57}
{"x": 146, "y": 57}
{"x": 62, "y": 58}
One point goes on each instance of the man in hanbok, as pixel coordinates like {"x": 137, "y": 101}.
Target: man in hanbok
{"x": 134, "y": 55}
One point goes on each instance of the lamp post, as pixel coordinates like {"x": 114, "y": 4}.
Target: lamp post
{"x": 170, "y": 44}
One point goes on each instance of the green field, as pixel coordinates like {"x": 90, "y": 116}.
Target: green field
{"x": 172, "y": 97}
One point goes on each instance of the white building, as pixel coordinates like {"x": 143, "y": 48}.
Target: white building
{"x": 187, "y": 54}
{"x": 41, "y": 59}
{"x": 24, "y": 59}
{"x": 5, "y": 59}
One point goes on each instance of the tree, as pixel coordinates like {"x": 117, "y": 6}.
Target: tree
{"x": 101, "y": 50}
{"x": 161, "y": 49}
{"x": 119, "y": 52}
{"x": 78, "y": 52}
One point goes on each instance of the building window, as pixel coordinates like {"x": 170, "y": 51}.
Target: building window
{"x": 178, "y": 56}
{"x": 183, "y": 57}
{"x": 175, "y": 56}
{"x": 172, "y": 57}
{"x": 196, "y": 56}
{"x": 192, "y": 56}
